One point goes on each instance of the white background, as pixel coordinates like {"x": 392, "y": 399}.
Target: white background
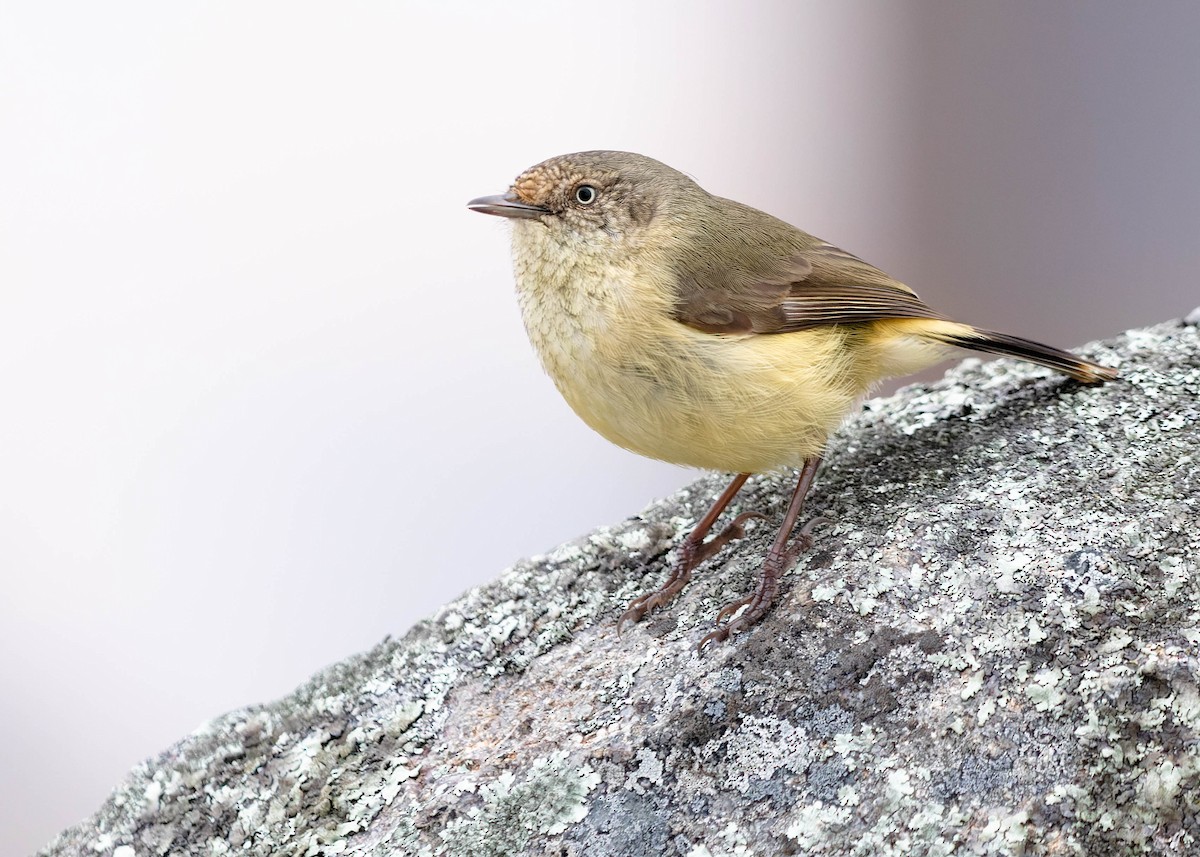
{"x": 265, "y": 393}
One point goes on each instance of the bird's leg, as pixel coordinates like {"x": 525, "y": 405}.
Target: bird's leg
{"x": 693, "y": 550}
{"x": 779, "y": 558}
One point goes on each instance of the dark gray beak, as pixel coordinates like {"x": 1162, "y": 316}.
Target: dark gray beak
{"x": 506, "y": 205}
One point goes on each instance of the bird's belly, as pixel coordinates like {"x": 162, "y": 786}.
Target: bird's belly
{"x": 678, "y": 395}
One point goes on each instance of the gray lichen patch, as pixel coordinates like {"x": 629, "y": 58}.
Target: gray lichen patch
{"x": 991, "y": 649}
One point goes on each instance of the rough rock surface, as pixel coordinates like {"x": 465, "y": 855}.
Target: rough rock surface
{"x": 992, "y": 651}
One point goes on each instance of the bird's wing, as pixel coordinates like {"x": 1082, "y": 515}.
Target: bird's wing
{"x": 799, "y": 288}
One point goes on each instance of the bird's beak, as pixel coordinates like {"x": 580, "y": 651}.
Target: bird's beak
{"x": 506, "y": 205}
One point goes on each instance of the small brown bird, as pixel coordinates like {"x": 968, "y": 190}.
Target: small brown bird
{"x": 700, "y": 331}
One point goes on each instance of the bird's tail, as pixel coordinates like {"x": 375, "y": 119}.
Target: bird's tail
{"x": 966, "y": 336}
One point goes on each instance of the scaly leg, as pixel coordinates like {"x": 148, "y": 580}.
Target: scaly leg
{"x": 778, "y": 560}
{"x": 693, "y": 550}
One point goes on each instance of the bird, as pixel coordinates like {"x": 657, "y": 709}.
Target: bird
{"x": 697, "y": 330}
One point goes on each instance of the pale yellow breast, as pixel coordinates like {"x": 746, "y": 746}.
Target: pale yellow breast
{"x": 605, "y": 335}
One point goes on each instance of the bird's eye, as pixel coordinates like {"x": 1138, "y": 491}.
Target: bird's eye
{"x": 585, "y": 194}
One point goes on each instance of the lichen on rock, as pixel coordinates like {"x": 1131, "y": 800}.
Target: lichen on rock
{"x": 992, "y": 650}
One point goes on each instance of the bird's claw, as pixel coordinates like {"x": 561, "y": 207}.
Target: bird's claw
{"x": 735, "y": 530}
{"x": 691, "y": 555}
{"x": 643, "y": 604}
{"x": 759, "y": 601}
{"x": 731, "y": 608}
{"x": 804, "y": 540}
{"x": 756, "y": 606}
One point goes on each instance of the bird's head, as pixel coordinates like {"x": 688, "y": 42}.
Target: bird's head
{"x": 592, "y": 198}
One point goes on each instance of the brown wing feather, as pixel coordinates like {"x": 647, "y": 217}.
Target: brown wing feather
{"x": 789, "y": 281}
{"x": 847, "y": 303}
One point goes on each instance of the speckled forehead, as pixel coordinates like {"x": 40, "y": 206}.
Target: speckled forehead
{"x": 537, "y": 184}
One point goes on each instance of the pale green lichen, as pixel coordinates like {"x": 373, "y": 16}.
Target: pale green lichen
{"x": 992, "y": 651}
{"x": 511, "y": 812}
{"x": 648, "y": 773}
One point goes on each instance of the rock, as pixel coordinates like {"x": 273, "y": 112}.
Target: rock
{"x": 993, "y": 650}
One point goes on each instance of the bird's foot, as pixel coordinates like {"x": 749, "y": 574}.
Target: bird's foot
{"x": 691, "y": 554}
{"x": 758, "y": 602}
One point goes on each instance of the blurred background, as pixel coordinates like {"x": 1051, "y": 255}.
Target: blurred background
{"x": 266, "y": 395}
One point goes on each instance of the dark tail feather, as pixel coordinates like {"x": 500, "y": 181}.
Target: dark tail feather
{"x": 1026, "y": 349}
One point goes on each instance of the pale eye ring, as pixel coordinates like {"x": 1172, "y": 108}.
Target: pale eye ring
{"x": 585, "y": 194}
